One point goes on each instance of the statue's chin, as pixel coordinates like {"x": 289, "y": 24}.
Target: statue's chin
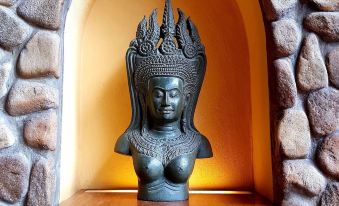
{"x": 167, "y": 116}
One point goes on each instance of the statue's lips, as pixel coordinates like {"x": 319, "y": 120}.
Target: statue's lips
{"x": 166, "y": 111}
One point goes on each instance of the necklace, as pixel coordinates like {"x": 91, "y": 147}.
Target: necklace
{"x": 164, "y": 149}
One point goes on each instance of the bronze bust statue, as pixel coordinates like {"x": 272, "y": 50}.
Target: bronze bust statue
{"x": 166, "y": 67}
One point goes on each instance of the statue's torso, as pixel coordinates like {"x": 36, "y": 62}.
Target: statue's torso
{"x": 164, "y": 166}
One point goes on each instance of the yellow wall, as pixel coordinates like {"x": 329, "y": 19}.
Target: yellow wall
{"x": 97, "y": 35}
{"x": 75, "y": 22}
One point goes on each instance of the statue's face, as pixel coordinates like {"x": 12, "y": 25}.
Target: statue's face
{"x": 165, "y": 98}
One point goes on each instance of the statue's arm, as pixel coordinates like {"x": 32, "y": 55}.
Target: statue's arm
{"x": 122, "y": 146}
{"x": 205, "y": 149}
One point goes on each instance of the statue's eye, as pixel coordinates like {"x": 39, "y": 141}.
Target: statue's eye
{"x": 158, "y": 94}
{"x": 174, "y": 93}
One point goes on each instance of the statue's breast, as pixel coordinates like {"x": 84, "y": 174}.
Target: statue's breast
{"x": 150, "y": 169}
{"x": 180, "y": 168}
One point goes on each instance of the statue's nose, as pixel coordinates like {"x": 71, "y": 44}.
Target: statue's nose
{"x": 165, "y": 101}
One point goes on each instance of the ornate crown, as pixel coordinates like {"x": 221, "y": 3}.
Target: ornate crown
{"x": 179, "y": 54}
{"x": 169, "y": 50}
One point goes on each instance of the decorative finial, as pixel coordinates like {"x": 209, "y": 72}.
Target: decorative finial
{"x": 195, "y": 35}
{"x": 148, "y": 38}
{"x": 184, "y": 39}
{"x": 168, "y": 30}
{"x": 153, "y": 33}
{"x": 168, "y": 24}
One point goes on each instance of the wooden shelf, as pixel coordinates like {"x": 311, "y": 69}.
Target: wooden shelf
{"x": 84, "y": 198}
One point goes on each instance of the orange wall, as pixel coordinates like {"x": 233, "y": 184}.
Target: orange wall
{"x": 255, "y": 31}
{"x": 223, "y": 112}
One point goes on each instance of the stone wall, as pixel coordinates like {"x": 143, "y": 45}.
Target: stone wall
{"x": 303, "y": 54}
{"x": 303, "y": 45}
{"x": 31, "y": 65}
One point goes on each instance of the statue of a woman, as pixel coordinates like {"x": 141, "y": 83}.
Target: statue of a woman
{"x": 164, "y": 84}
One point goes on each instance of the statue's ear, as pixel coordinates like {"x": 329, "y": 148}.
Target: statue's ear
{"x": 187, "y": 98}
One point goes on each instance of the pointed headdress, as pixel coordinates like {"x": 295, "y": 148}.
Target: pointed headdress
{"x": 170, "y": 50}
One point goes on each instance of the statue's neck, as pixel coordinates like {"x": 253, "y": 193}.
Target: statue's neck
{"x": 166, "y": 127}
{"x": 171, "y": 129}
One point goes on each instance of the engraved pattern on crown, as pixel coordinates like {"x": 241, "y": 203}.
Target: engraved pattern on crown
{"x": 178, "y": 54}
{"x": 177, "y": 39}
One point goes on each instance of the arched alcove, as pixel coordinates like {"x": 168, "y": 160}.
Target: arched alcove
{"x": 232, "y": 110}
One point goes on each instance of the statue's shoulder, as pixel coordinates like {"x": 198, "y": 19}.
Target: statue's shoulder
{"x": 122, "y": 146}
{"x": 205, "y": 149}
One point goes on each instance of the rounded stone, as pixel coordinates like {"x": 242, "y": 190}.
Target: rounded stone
{"x": 6, "y": 136}
{"x": 333, "y": 66}
{"x": 275, "y": 9}
{"x": 328, "y": 156}
{"x": 7, "y": 2}
{"x": 41, "y": 56}
{"x": 326, "y": 5}
{"x": 301, "y": 175}
{"x": 294, "y": 134}
{"x": 14, "y": 177}
{"x": 325, "y": 24}
{"x": 5, "y": 74}
{"x": 41, "y": 131}
{"x": 27, "y": 97}
{"x": 330, "y": 196}
{"x": 311, "y": 71}
{"x": 323, "y": 110}
{"x": 13, "y": 31}
{"x": 42, "y": 184}
{"x": 44, "y": 13}
{"x": 286, "y": 87}
{"x": 286, "y": 37}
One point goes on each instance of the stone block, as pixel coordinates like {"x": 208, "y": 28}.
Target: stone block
{"x": 5, "y": 74}
{"x": 286, "y": 87}
{"x": 330, "y": 196}
{"x": 44, "y": 13}
{"x": 323, "y": 110}
{"x": 328, "y": 156}
{"x": 13, "y": 31}
{"x": 27, "y": 97}
{"x": 41, "y": 56}
{"x": 333, "y": 66}
{"x": 326, "y": 5}
{"x": 7, "y": 2}
{"x": 275, "y": 9}
{"x": 303, "y": 176}
{"x": 42, "y": 184}
{"x": 311, "y": 71}
{"x": 14, "y": 178}
{"x": 41, "y": 131}
{"x": 294, "y": 134}
{"x": 286, "y": 37}
{"x": 325, "y": 24}
{"x": 6, "y": 135}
